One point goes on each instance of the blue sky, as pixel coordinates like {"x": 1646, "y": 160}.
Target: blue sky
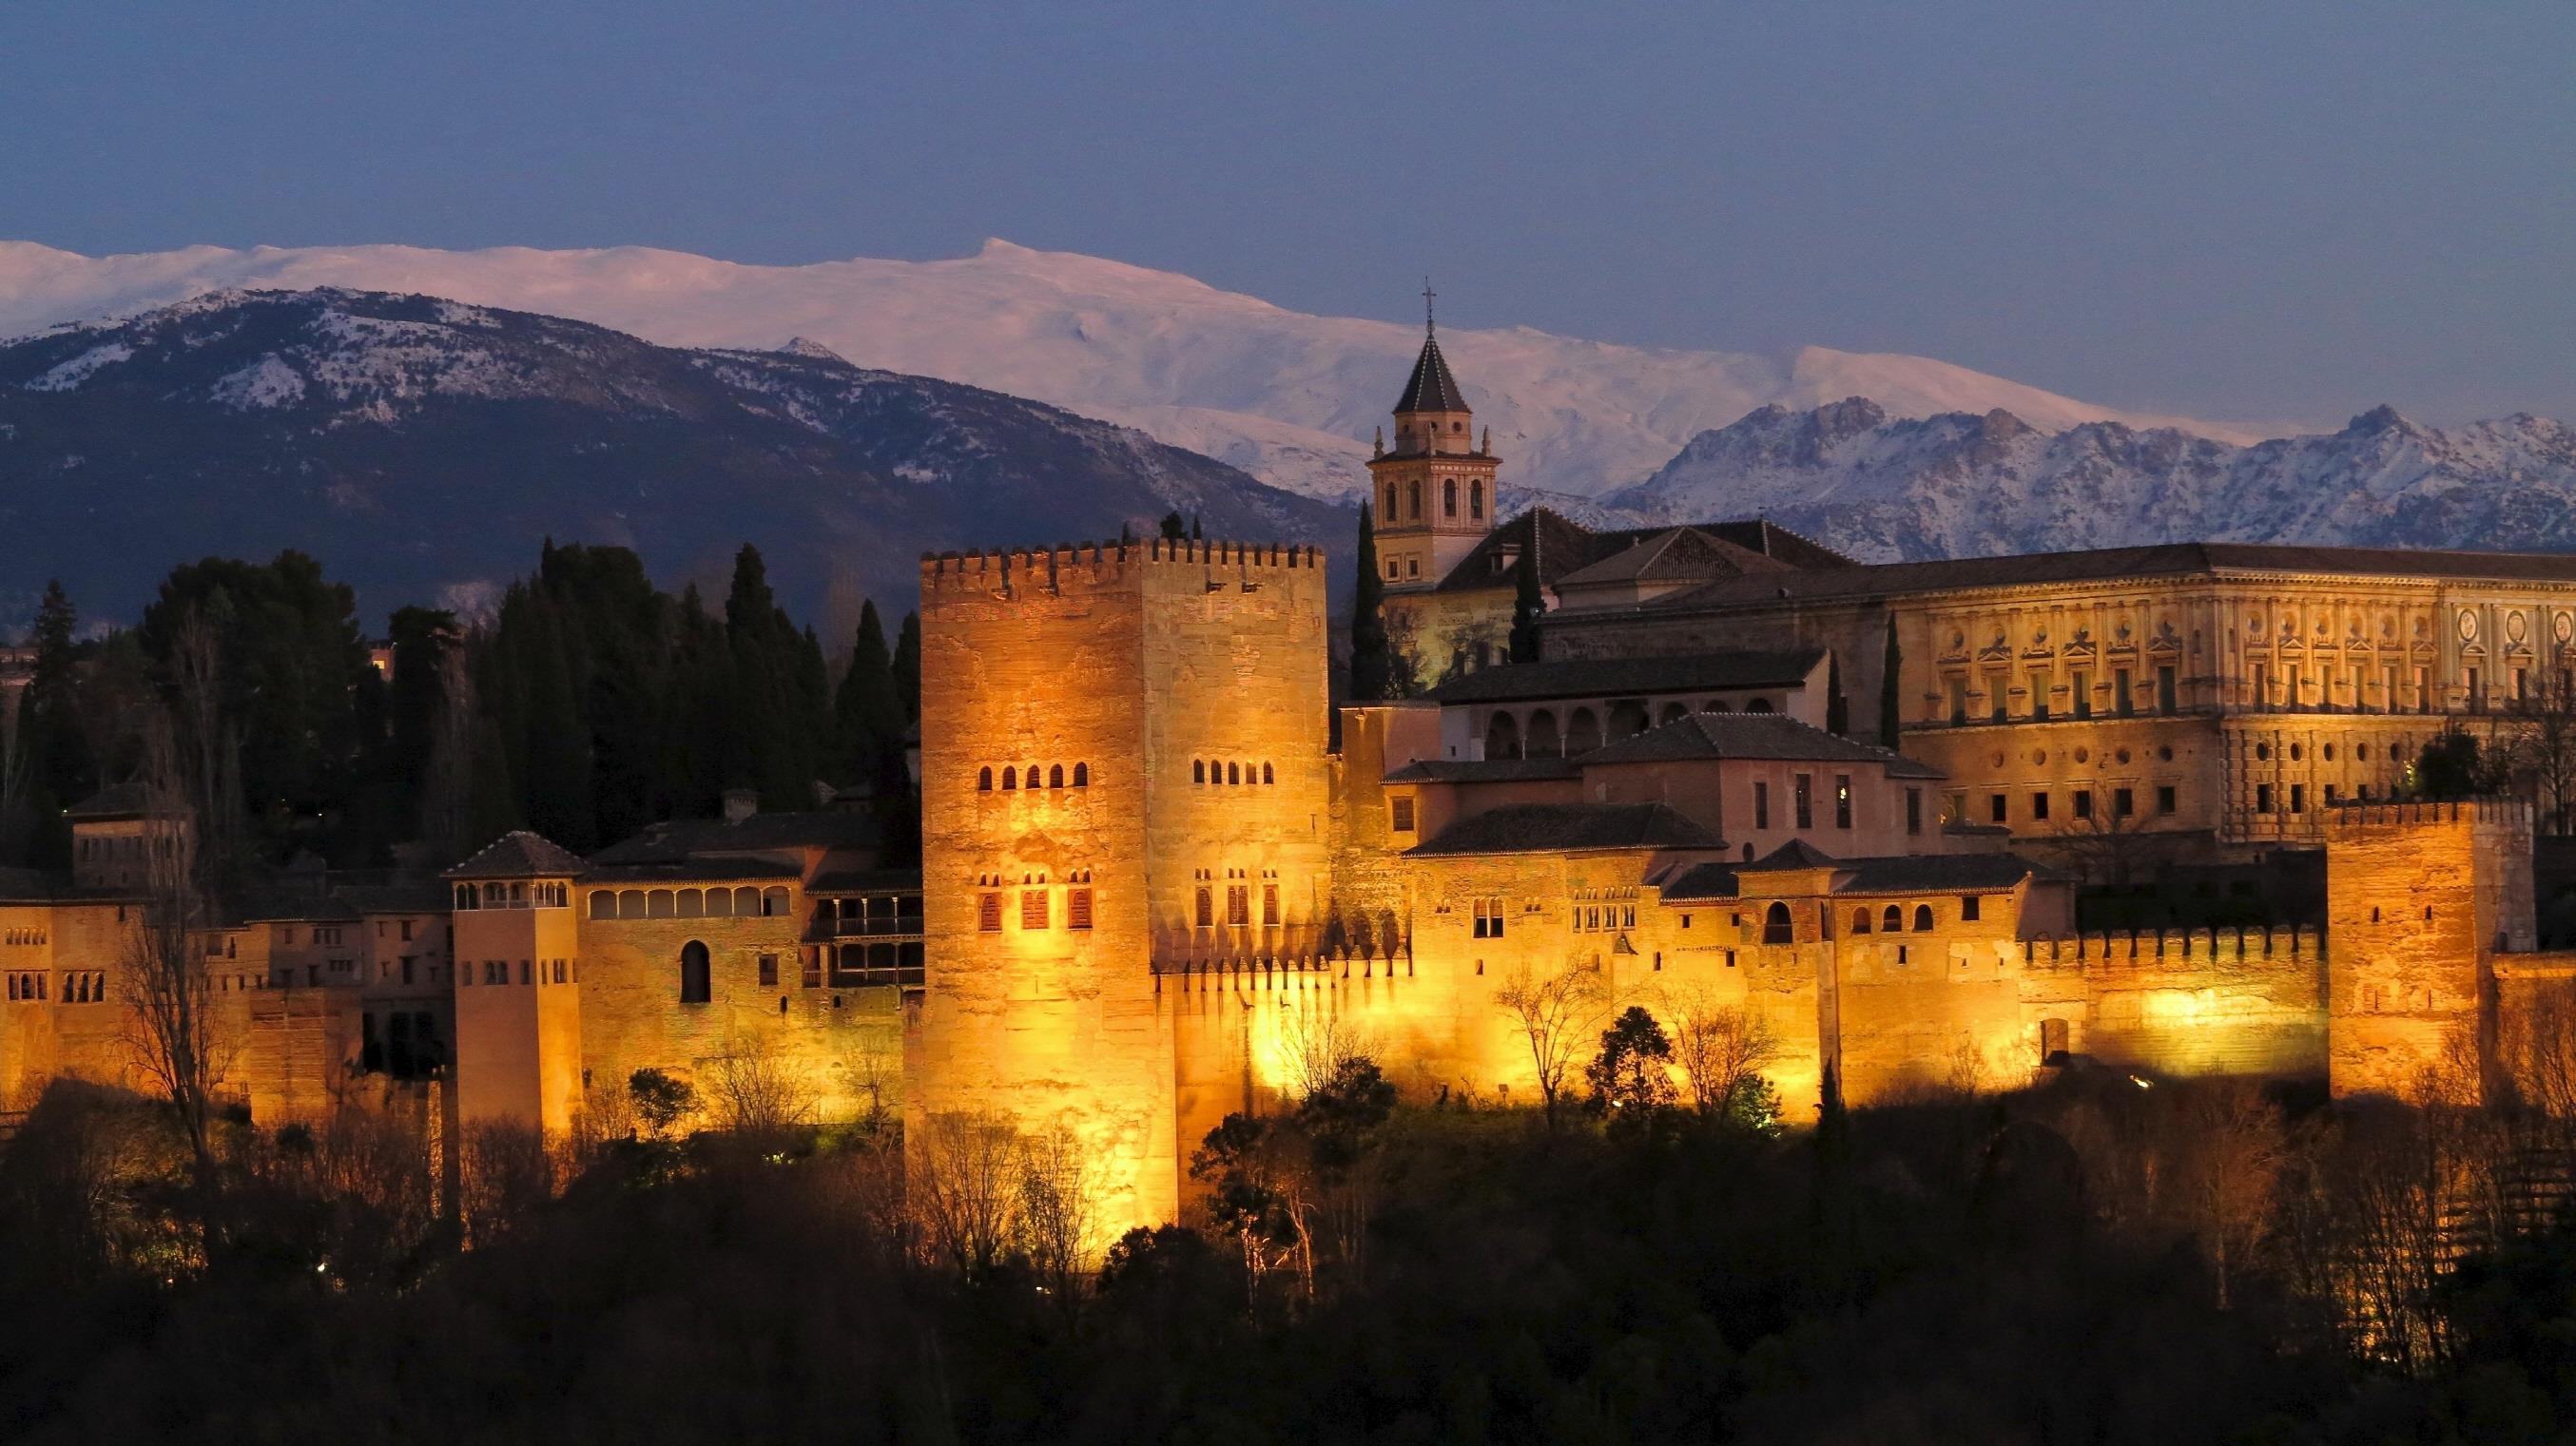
{"x": 2250, "y": 211}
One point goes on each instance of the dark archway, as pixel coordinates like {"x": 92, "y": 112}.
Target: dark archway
{"x": 1776, "y": 928}
{"x": 1502, "y": 737}
{"x": 697, "y": 983}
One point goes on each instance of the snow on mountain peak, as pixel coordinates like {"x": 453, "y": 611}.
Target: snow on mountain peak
{"x": 1287, "y": 396}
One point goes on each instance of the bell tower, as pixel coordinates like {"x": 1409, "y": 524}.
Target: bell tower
{"x": 1434, "y": 492}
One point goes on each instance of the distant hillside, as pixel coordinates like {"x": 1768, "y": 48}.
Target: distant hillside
{"x": 1961, "y": 485}
{"x": 422, "y": 448}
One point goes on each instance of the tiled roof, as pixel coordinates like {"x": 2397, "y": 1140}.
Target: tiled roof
{"x": 1888, "y": 875}
{"x": 1561, "y": 827}
{"x": 1431, "y": 388}
{"x": 717, "y": 869}
{"x": 1486, "y": 770}
{"x": 1612, "y": 677}
{"x": 1566, "y": 546}
{"x": 867, "y": 881}
{"x": 520, "y": 855}
{"x": 678, "y": 839}
{"x": 1682, "y": 554}
{"x": 123, "y": 800}
{"x": 1750, "y": 735}
{"x": 2173, "y": 559}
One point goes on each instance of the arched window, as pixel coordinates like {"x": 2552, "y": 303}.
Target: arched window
{"x": 1029, "y": 775}
{"x": 1476, "y": 499}
{"x": 1055, "y": 775}
{"x": 1582, "y": 732}
{"x": 630, "y": 903}
{"x": 1674, "y": 713}
{"x": 1082, "y": 775}
{"x": 1390, "y": 502}
{"x": 1894, "y": 920}
{"x": 1922, "y": 918}
{"x": 1542, "y": 735}
{"x": 1233, "y": 773}
{"x": 1716, "y": 705}
{"x": 696, "y": 978}
{"x": 1198, "y": 770}
{"x": 1775, "y": 924}
{"x": 1758, "y": 705}
{"x": 1449, "y": 497}
{"x": 1413, "y": 499}
{"x": 773, "y": 903}
{"x": 746, "y": 902}
{"x": 1267, "y": 776}
{"x": 1502, "y": 737}
{"x": 984, "y": 780}
{"x": 1860, "y": 921}
{"x": 693, "y": 904}
{"x": 1010, "y": 780}
{"x": 1627, "y": 718}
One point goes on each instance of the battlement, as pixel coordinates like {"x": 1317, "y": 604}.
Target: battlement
{"x": 2350, "y": 817}
{"x": 1103, "y": 564}
{"x": 2150, "y": 948}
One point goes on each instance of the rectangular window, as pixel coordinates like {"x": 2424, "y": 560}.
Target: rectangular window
{"x": 1033, "y": 908}
{"x": 1238, "y": 904}
{"x": 1802, "y": 793}
{"x": 2167, "y": 698}
{"x": 1968, "y": 908}
{"x": 1842, "y": 800}
{"x": 406, "y": 931}
{"x": 2522, "y": 685}
{"x": 2423, "y": 690}
{"x": 1400, "y": 814}
{"x": 2477, "y": 692}
{"x": 1958, "y": 686}
{"x": 2298, "y": 686}
{"x": 2039, "y": 697}
{"x": 988, "y": 913}
{"x": 2262, "y": 798}
{"x": 1077, "y": 908}
{"x": 2121, "y": 703}
{"x": 1999, "y": 807}
{"x": 1270, "y": 906}
{"x": 1914, "y": 810}
{"x": 406, "y": 968}
{"x": 2080, "y": 686}
{"x": 2123, "y": 803}
{"x": 811, "y": 973}
{"x": 1998, "y": 698}
{"x": 768, "y": 971}
{"x": 2039, "y": 808}
{"x": 1954, "y": 809}
{"x": 2165, "y": 800}
{"x": 2262, "y": 686}
{"x": 1489, "y": 918}
{"x": 2083, "y": 803}
{"x": 1761, "y": 804}
{"x": 1206, "y": 907}
{"x": 2298, "y": 798}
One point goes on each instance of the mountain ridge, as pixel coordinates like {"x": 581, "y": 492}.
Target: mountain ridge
{"x": 1286, "y": 396}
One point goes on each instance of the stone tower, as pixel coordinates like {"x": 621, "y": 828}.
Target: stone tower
{"x": 517, "y": 969}
{"x": 1435, "y": 490}
{"x": 1123, "y": 767}
{"x": 2420, "y": 898}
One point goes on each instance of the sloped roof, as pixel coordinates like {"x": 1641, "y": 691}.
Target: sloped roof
{"x": 1486, "y": 770}
{"x": 677, "y": 839}
{"x": 1751, "y": 735}
{"x": 2173, "y": 559}
{"x": 520, "y": 855}
{"x": 866, "y": 881}
{"x": 1680, "y": 554}
{"x": 1566, "y": 546}
{"x": 1899, "y": 874}
{"x": 123, "y": 800}
{"x": 1431, "y": 388}
{"x": 720, "y": 868}
{"x": 1566, "y": 827}
{"x": 1613, "y": 677}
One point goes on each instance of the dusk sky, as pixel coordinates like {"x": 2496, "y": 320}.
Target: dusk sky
{"x": 2264, "y": 212}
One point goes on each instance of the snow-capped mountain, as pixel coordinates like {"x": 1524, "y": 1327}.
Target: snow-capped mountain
{"x": 1288, "y": 397}
{"x": 422, "y": 448}
{"x": 1882, "y": 487}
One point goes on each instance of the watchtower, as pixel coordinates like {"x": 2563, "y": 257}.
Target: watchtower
{"x": 518, "y": 1002}
{"x": 1123, "y": 765}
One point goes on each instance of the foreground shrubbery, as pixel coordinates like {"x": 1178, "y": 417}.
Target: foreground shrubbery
{"x": 2045, "y": 1267}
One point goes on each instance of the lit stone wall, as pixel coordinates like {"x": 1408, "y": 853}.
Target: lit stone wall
{"x": 1145, "y": 665}
{"x": 518, "y": 1043}
{"x": 2184, "y": 1002}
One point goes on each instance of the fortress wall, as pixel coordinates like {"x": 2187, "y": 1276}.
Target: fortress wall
{"x": 2183, "y": 1002}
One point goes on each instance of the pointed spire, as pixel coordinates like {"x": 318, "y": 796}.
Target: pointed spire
{"x": 1428, "y": 329}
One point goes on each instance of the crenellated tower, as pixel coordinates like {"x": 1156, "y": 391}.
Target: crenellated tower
{"x": 1434, "y": 489}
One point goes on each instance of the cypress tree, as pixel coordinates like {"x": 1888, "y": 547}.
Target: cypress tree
{"x": 1527, "y": 604}
{"x": 1370, "y": 664}
{"x": 60, "y": 768}
{"x": 1890, "y": 703}
{"x": 867, "y": 714}
{"x": 1837, "y": 706}
{"x": 907, "y": 668}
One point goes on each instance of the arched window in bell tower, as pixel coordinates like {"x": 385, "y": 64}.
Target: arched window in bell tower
{"x": 1413, "y": 501}
{"x": 1449, "y": 497}
{"x": 1390, "y": 502}
{"x": 1476, "y": 500}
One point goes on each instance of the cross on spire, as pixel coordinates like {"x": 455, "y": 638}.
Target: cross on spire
{"x": 1427, "y": 295}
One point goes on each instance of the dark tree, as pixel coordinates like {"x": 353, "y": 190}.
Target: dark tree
{"x": 907, "y": 668}
{"x": 1175, "y": 527}
{"x": 867, "y": 715}
{"x": 2450, "y": 767}
{"x": 58, "y": 768}
{"x": 1837, "y": 705}
{"x": 1891, "y": 713}
{"x": 1528, "y": 605}
{"x": 1371, "y": 665}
